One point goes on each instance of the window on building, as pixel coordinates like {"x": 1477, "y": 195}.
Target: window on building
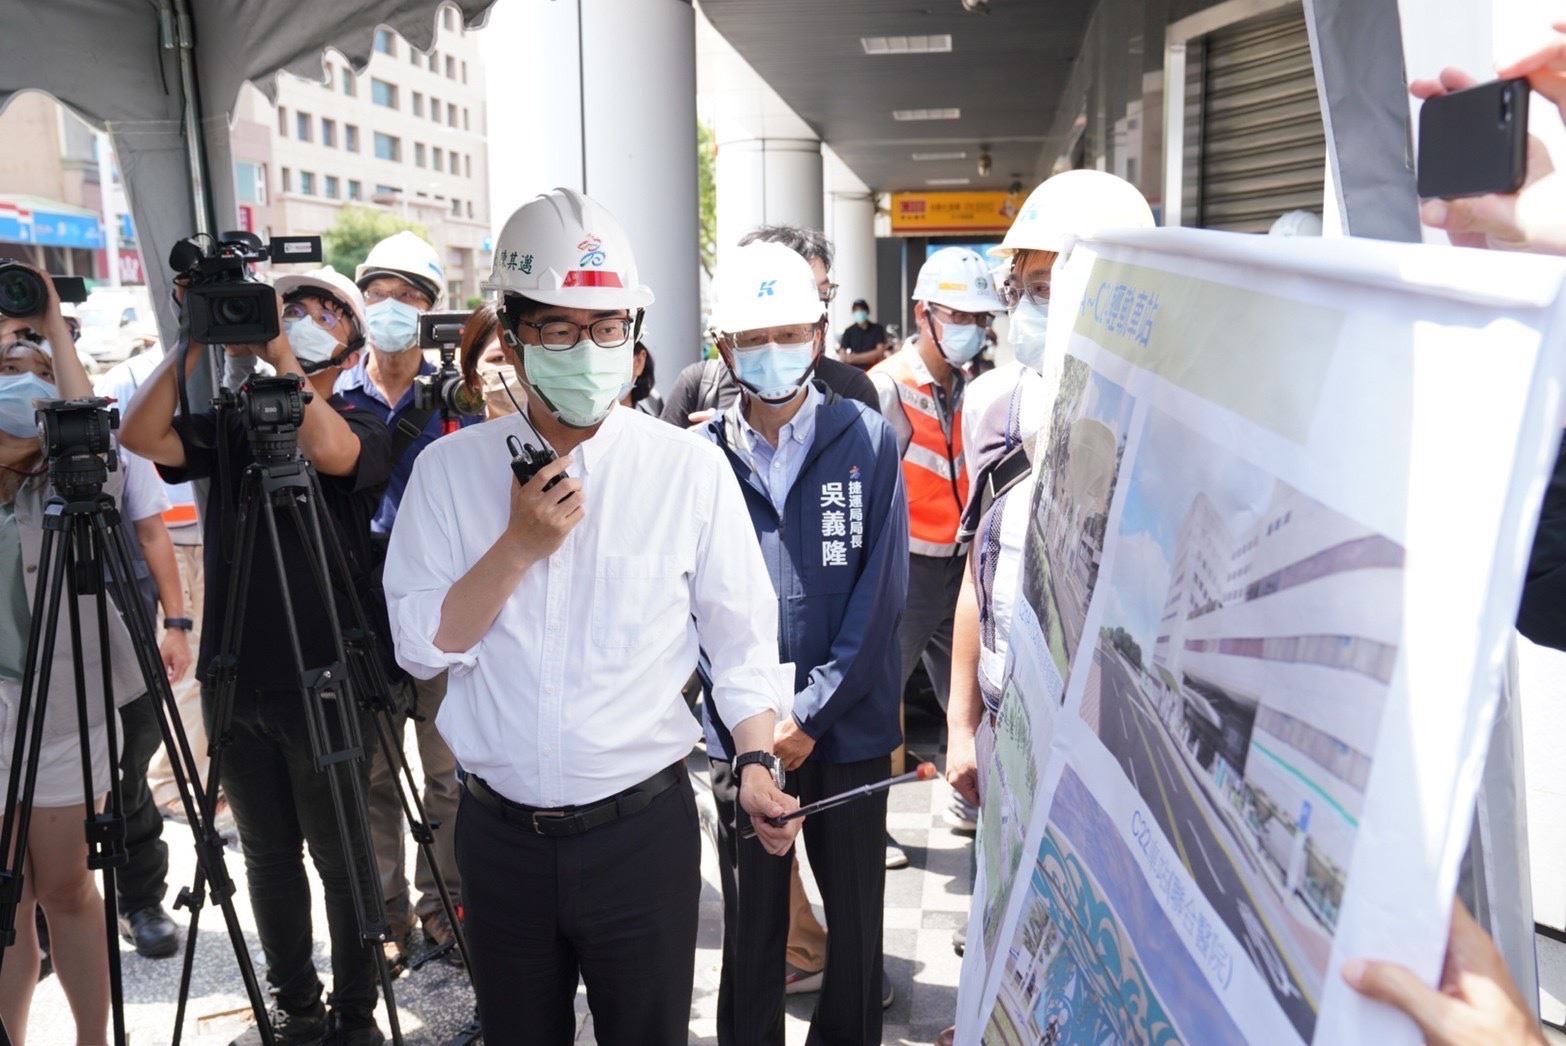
{"x": 387, "y": 190}
{"x": 467, "y": 165}
{"x": 456, "y": 207}
{"x": 307, "y": 183}
{"x": 331, "y": 187}
{"x": 451, "y": 68}
{"x": 351, "y": 137}
{"x": 328, "y": 133}
{"x": 434, "y": 61}
{"x": 451, "y": 114}
{"x": 470, "y": 208}
{"x": 447, "y": 20}
{"x": 434, "y": 108}
{"x": 383, "y": 93}
{"x": 418, "y": 154}
{"x": 413, "y": 56}
{"x": 437, "y": 158}
{"x": 286, "y": 179}
{"x": 303, "y": 123}
{"x": 385, "y": 43}
{"x": 282, "y": 122}
{"x": 465, "y": 125}
{"x": 464, "y": 71}
{"x": 355, "y": 189}
{"x": 249, "y": 183}
{"x": 350, "y": 87}
{"x": 387, "y": 147}
{"x": 418, "y": 103}
{"x": 331, "y": 75}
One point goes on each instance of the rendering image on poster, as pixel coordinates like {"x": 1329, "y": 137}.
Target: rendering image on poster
{"x": 1242, "y": 664}
{"x": 1080, "y": 463}
{"x": 1006, "y": 803}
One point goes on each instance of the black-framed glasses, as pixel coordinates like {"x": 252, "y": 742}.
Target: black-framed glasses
{"x": 295, "y": 311}
{"x": 830, "y": 293}
{"x": 559, "y": 335}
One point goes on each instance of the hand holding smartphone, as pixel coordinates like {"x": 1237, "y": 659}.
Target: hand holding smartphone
{"x": 1475, "y": 141}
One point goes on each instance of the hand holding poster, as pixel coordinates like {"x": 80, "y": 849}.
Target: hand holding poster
{"x": 1281, "y": 511}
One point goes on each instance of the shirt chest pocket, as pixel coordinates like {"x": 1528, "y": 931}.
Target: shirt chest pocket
{"x": 637, "y": 599}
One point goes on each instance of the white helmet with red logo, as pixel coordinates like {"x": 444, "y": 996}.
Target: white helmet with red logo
{"x": 566, "y": 249}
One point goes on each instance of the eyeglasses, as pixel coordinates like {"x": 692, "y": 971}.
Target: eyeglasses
{"x": 954, "y": 318}
{"x": 1034, "y": 290}
{"x": 789, "y": 336}
{"x": 405, "y": 294}
{"x": 295, "y": 311}
{"x": 830, "y": 293}
{"x": 558, "y": 335}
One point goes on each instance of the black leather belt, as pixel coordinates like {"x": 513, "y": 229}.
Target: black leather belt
{"x": 574, "y": 820}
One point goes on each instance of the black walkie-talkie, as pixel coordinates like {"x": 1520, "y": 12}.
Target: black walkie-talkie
{"x": 527, "y": 460}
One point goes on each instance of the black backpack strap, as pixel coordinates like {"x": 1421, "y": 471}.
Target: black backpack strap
{"x": 1009, "y": 470}
{"x": 408, "y": 428}
{"x": 707, "y": 391}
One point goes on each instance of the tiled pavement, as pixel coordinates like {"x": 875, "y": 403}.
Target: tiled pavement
{"x": 924, "y": 902}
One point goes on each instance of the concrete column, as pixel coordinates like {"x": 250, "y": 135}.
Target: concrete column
{"x": 619, "y": 117}
{"x": 850, "y": 225}
{"x": 767, "y": 181}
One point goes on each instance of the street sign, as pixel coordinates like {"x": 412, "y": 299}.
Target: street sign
{"x": 948, "y": 213}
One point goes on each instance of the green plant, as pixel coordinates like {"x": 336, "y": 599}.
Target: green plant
{"x": 707, "y": 198}
{"x": 357, "y": 229}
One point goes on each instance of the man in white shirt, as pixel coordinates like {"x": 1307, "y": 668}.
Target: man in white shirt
{"x": 569, "y": 610}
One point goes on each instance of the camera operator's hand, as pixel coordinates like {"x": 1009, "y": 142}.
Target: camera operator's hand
{"x": 70, "y": 377}
{"x": 175, "y": 652}
{"x": 1534, "y": 217}
{"x": 541, "y": 519}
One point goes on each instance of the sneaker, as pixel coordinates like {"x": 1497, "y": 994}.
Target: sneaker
{"x": 895, "y": 858}
{"x": 961, "y": 816}
{"x": 960, "y": 940}
{"x": 308, "y": 1027}
{"x": 151, "y": 931}
{"x": 799, "y": 982}
{"x": 355, "y": 1032}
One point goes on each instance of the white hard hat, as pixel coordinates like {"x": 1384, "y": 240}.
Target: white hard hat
{"x": 406, "y": 255}
{"x": 1073, "y": 205}
{"x": 327, "y": 279}
{"x": 563, "y": 248}
{"x": 958, "y": 279}
{"x": 1296, "y": 223}
{"x": 765, "y": 285}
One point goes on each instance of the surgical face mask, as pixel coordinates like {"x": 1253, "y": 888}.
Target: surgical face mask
{"x": 394, "y": 325}
{"x": 861, "y": 316}
{"x": 17, "y": 392}
{"x": 1029, "y": 321}
{"x": 959, "y": 344}
{"x": 579, "y": 385}
{"x": 774, "y": 372}
{"x": 311, "y": 342}
{"x": 498, "y": 379}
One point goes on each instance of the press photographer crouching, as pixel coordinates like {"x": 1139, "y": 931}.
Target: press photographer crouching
{"x": 267, "y": 770}
{"x": 56, "y": 875}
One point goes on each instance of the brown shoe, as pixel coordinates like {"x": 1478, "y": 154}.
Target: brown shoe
{"x": 438, "y": 934}
{"x": 395, "y": 947}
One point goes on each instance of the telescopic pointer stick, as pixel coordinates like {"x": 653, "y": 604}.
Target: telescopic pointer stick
{"x": 922, "y": 772}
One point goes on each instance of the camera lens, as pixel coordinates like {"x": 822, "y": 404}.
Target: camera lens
{"x": 236, "y": 311}
{"x": 22, "y": 293}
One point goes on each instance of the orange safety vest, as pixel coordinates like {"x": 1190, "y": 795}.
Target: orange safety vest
{"x": 935, "y": 477}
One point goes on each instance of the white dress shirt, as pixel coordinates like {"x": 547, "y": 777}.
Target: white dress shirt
{"x": 574, "y": 692}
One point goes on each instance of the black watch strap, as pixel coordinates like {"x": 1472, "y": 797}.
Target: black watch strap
{"x": 758, "y": 758}
{"x": 183, "y": 624}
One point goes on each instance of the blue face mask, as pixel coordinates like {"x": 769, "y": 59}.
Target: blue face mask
{"x": 17, "y": 393}
{"x": 959, "y": 344}
{"x": 394, "y": 325}
{"x": 774, "y": 372}
{"x": 1029, "y": 322}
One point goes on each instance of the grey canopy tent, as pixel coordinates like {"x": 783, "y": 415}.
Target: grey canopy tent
{"x": 162, "y": 76}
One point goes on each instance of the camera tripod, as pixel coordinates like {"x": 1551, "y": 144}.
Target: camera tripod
{"x": 82, "y": 538}
{"x": 281, "y": 485}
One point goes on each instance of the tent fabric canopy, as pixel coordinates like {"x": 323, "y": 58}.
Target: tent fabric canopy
{"x": 116, "y": 63}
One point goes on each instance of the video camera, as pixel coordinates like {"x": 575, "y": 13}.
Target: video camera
{"x": 226, "y": 304}
{"x": 22, "y": 292}
{"x": 445, "y": 390}
{"x": 272, "y": 409}
{"x": 76, "y": 437}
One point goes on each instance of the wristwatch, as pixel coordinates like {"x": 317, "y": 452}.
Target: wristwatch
{"x": 773, "y": 764}
{"x": 183, "y": 624}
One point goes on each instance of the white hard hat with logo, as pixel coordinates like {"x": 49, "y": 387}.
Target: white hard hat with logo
{"x": 566, "y": 249}
{"x": 1073, "y": 205}
{"x": 404, "y": 254}
{"x": 328, "y": 280}
{"x": 958, "y": 279}
{"x": 765, "y": 285}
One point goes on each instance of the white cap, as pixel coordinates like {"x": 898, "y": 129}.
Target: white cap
{"x": 958, "y": 279}
{"x": 1073, "y": 205}
{"x": 765, "y": 285}
{"x": 1296, "y": 223}
{"x": 327, "y": 279}
{"x": 563, "y": 248}
{"x": 408, "y": 256}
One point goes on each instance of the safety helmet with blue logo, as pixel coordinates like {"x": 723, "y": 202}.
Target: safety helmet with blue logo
{"x": 764, "y": 285}
{"x": 406, "y": 256}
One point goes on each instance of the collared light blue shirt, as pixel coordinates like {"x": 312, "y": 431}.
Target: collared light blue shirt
{"x": 356, "y": 387}
{"x": 776, "y": 468}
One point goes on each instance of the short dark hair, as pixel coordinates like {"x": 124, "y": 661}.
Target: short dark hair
{"x": 809, "y": 244}
{"x": 860, "y": 303}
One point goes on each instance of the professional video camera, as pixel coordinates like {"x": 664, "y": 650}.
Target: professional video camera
{"x": 225, "y": 304}
{"x": 445, "y": 390}
{"x": 22, "y": 292}
{"x": 273, "y": 409}
{"x": 76, "y": 438}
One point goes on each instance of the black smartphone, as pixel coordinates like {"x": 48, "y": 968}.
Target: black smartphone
{"x": 70, "y": 288}
{"x": 1474, "y": 141}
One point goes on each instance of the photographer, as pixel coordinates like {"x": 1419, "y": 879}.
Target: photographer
{"x": 55, "y": 876}
{"x": 569, "y": 609}
{"x": 278, "y": 797}
{"x": 401, "y": 279}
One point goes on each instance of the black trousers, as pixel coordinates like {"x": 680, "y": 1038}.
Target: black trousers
{"x": 617, "y": 906}
{"x": 848, "y": 856}
{"x": 143, "y": 880}
{"x": 281, "y": 805}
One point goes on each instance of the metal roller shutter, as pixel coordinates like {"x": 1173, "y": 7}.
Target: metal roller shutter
{"x": 1262, "y": 144}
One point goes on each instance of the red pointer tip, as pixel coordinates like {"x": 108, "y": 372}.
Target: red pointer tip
{"x": 926, "y": 772}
